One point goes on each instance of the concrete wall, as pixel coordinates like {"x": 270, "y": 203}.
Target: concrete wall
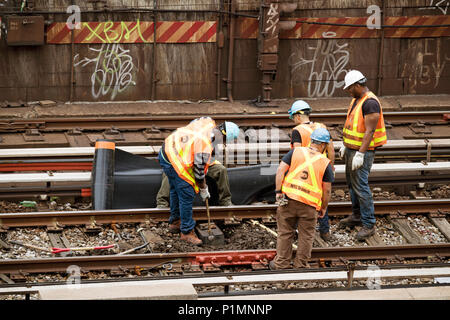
{"x": 306, "y": 68}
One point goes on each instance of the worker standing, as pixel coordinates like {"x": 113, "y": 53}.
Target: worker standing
{"x": 184, "y": 157}
{"x": 299, "y": 113}
{"x": 363, "y": 132}
{"x": 303, "y": 190}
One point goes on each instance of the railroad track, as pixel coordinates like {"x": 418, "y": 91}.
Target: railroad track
{"x": 173, "y": 122}
{"x": 198, "y": 262}
{"x": 100, "y": 217}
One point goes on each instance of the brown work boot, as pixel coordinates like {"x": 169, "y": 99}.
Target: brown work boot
{"x": 325, "y": 236}
{"x": 364, "y": 233}
{"x": 191, "y": 237}
{"x": 174, "y": 227}
{"x": 350, "y": 221}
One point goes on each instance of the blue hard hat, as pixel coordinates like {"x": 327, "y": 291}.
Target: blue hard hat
{"x": 320, "y": 135}
{"x": 297, "y": 107}
{"x": 231, "y": 130}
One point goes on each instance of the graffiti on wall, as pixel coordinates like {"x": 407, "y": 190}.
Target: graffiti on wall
{"x": 272, "y": 18}
{"x": 325, "y": 68}
{"x": 113, "y": 70}
{"x": 442, "y": 5}
{"x": 430, "y": 61}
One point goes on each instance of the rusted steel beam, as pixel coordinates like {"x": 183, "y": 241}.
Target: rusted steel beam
{"x": 66, "y": 218}
{"x": 219, "y": 258}
{"x": 173, "y": 122}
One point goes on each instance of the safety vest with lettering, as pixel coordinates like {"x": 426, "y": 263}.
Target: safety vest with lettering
{"x": 182, "y": 145}
{"x": 305, "y": 130}
{"x": 355, "y": 127}
{"x": 303, "y": 182}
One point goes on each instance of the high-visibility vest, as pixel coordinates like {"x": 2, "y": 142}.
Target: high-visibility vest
{"x": 305, "y": 130}
{"x": 185, "y": 142}
{"x": 354, "y": 127}
{"x": 303, "y": 182}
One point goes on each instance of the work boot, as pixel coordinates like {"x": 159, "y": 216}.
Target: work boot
{"x": 350, "y": 221}
{"x": 191, "y": 237}
{"x": 325, "y": 236}
{"x": 272, "y": 265}
{"x": 364, "y": 233}
{"x": 174, "y": 227}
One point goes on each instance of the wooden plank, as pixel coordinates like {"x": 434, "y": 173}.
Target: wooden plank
{"x": 443, "y": 226}
{"x": 6, "y": 279}
{"x": 375, "y": 240}
{"x": 322, "y": 243}
{"x": 407, "y": 232}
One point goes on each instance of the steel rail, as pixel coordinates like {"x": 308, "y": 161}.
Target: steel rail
{"x": 222, "y": 258}
{"x": 98, "y": 217}
{"x": 173, "y": 122}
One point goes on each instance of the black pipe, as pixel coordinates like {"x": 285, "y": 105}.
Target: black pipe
{"x": 102, "y": 177}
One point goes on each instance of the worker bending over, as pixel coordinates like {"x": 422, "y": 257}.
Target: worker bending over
{"x": 185, "y": 157}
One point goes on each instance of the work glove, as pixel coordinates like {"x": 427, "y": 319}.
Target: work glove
{"x": 342, "y": 152}
{"x": 281, "y": 200}
{"x": 204, "y": 193}
{"x": 358, "y": 160}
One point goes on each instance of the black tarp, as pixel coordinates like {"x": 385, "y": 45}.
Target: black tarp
{"x": 137, "y": 180}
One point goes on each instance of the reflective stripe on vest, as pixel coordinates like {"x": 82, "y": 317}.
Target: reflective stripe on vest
{"x": 303, "y": 181}
{"x": 354, "y": 128}
{"x": 180, "y": 148}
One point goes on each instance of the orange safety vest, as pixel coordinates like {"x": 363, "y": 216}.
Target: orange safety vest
{"x": 305, "y": 130}
{"x": 303, "y": 182}
{"x": 354, "y": 127}
{"x": 182, "y": 145}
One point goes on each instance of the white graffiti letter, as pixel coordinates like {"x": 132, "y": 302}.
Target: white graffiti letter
{"x": 374, "y": 21}
{"x": 113, "y": 70}
{"x": 74, "y": 278}
{"x": 74, "y": 17}
{"x": 373, "y": 278}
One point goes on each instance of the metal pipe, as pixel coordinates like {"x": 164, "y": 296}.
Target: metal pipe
{"x": 219, "y": 50}
{"x": 231, "y": 53}
{"x": 380, "y": 60}
{"x": 155, "y": 22}
{"x": 71, "y": 61}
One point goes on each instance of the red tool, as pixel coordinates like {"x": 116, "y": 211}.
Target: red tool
{"x": 58, "y": 250}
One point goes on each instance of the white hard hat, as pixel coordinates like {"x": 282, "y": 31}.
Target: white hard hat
{"x": 352, "y": 77}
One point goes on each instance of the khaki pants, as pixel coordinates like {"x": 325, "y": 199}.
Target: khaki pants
{"x": 303, "y": 217}
{"x": 217, "y": 172}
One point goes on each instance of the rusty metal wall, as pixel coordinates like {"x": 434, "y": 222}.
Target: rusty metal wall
{"x": 306, "y": 68}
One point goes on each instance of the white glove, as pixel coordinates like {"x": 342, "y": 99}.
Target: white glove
{"x": 358, "y": 160}
{"x": 204, "y": 193}
{"x": 342, "y": 151}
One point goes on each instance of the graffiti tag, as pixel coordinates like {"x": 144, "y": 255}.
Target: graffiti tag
{"x": 440, "y": 4}
{"x": 113, "y": 70}
{"x": 327, "y": 65}
{"x": 273, "y": 18}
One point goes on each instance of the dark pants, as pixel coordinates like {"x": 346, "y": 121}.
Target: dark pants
{"x": 324, "y": 225}
{"x": 303, "y": 217}
{"x": 358, "y": 185}
{"x": 181, "y": 197}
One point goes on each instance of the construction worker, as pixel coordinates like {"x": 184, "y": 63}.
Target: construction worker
{"x": 184, "y": 157}
{"x": 363, "y": 132}
{"x": 216, "y": 171}
{"x": 299, "y": 113}
{"x": 303, "y": 190}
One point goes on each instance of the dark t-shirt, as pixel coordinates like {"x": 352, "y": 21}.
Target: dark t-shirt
{"x": 296, "y": 137}
{"x": 369, "y": 106}
{"x": 328, "y": 176}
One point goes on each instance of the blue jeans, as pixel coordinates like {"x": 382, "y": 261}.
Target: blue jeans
{"x": 181, "y": 197}
{"x": 324, "y": 226}
{"x": 358, "y": 185}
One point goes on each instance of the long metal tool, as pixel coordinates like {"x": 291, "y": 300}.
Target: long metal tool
{"x": 210, "y": 236}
